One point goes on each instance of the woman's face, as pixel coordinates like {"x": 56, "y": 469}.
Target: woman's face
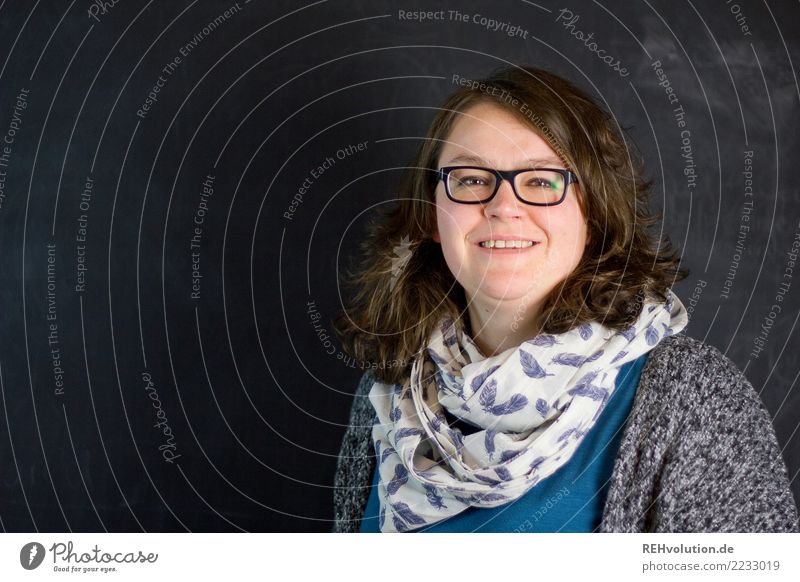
{"x": 495, "y": 139}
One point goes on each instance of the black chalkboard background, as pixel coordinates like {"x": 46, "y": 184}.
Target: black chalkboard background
{"x": 137, "y": 396}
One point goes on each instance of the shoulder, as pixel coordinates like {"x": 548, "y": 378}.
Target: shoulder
{"x": 355, "y": 443}
{"x": 686, "y": 372}
{"x": 362, "y": 409}
{"x": 356, "y": 461}
{"x": 684, "y": 356}
{"x": 700, "y": 447}
{"x": 690, "y": 390}
{"x": 362, "y": 416}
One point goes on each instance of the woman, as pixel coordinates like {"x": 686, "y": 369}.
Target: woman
{"x": 526, "y": 366}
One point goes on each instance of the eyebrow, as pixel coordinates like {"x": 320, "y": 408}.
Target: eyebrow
{"x": 478, "y": 160}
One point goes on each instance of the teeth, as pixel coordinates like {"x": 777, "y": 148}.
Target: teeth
{"x": 507, "y": 244}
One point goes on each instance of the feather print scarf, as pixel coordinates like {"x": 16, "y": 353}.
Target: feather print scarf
{"x": 533, "y": 404}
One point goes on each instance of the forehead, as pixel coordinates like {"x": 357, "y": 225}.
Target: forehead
{"x": 488, "y": 134}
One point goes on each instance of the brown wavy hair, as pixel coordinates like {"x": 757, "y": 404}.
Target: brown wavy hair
{"x": 393, "y": 311}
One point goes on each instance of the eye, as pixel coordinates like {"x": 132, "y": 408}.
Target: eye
{"x": 473, "y": 181}
{"x": 542, "y": 183}
{"x": 470, "y": 178}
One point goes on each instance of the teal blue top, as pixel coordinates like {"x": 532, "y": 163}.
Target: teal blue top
{"x": 569, "y": 500}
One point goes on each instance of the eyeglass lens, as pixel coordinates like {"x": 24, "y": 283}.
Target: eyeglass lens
{"x": 476, "y": 185}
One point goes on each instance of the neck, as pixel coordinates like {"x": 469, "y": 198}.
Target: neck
{"x": 502, "y": 325}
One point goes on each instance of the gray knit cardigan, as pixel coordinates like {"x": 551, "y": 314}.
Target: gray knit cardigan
{"x": 698, "y": 452}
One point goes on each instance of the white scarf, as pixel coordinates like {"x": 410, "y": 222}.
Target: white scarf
{"x": 534, "y": 404}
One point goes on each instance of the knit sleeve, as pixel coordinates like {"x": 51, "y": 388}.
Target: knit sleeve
{"x": 722, "y": 470}
{"x": 356, "y": 462}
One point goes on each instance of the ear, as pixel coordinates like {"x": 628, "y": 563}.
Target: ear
{"x": 436, "y": 236}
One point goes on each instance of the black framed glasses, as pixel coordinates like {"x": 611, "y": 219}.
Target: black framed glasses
{"x": 477, "y": 185}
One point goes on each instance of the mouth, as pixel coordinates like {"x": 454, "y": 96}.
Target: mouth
{"x": 507, "y": 244}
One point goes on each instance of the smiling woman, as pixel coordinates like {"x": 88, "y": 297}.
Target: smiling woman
{"x": 494, "y": 277}
{"x": 544, "y": 384}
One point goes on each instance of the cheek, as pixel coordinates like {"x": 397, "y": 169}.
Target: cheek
{"x": 452, "y": 222}
{"x": 453, "y": 225}
{"x": 568, "y": 234}
{"x": 448, "y": 229}
{"x": 575, "y": 237}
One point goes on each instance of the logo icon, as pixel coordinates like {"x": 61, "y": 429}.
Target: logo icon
{"x": 31, "y": 555}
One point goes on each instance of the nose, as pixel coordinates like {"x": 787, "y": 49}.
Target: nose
{"x": 504, "y": 204}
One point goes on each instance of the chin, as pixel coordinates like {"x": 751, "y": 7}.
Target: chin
{"x": 516, "y": 292}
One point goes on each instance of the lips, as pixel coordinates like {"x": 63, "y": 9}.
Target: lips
{"x": 508, "y": 250}
{"x": 506, "y": 242}
{"x": 503, "y": 237}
